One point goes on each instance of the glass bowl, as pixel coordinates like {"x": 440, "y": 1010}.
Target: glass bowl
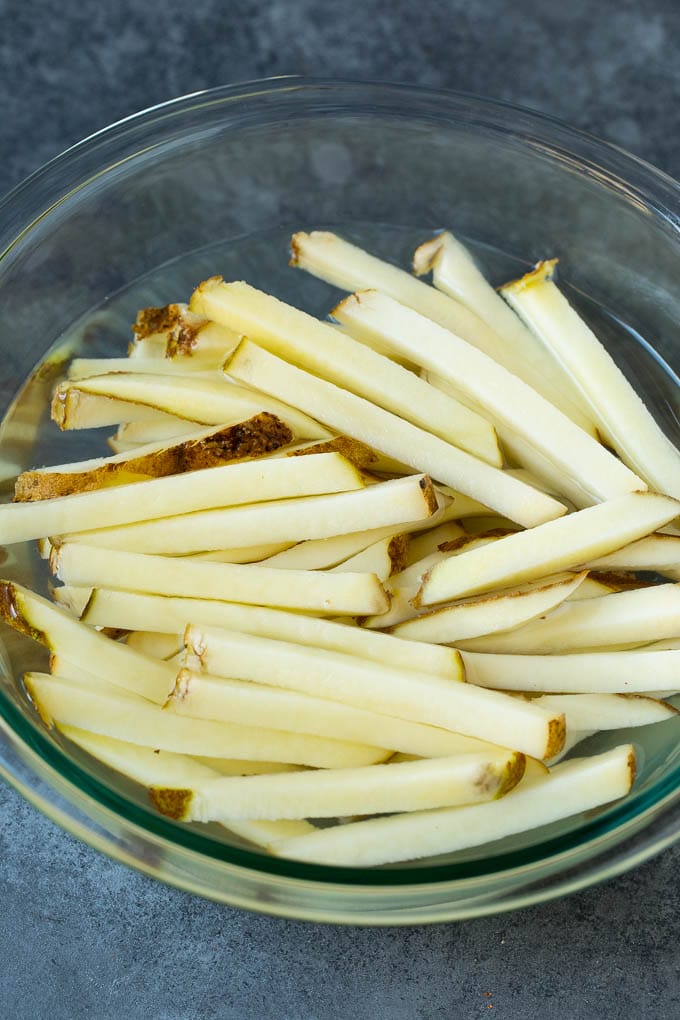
{"x": 212, "y": 183}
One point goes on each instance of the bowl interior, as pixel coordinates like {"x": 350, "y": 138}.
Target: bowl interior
{"x": 141, "y": 214}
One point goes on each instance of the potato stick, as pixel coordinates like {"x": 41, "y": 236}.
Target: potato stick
{"x": 359, "y": 454}
{"x": 332, "y": 594}
{"x": 327, "y": 552}
{"x": 215, "y": 487}
{"x": 156, "y": 428}
{"x": 403, "y": 587}
{"x": 591, "y": 588}
{"x": 322, "y": 350}
{"x": 486, "y": 614}
{"x": 571, "y": 788}
{"x": 62, "y": 634}
{"x": 552, "y": 547}
{"x": 623, "y": 618}
{"x": 427, "y": 542}
{"x": 508, "y": 399}
{"x": 74, "y": 408}
{"x": 455, "y": 272}
{"x": 405, "y": 786}
{"x": 621, "y": 672}
{"x": 234, "y": 767}
{"x": 251, "y": 438}
{"x": 406, "y": 694}
{"x": 389, "y": 434}
{"x": 207, "y": 401}
{"x": 155, "y": 612}
{"x": 289, "y": 520}
{"x": 157, "y": 646}
{"x": 119, "y": 715}
{"x": 152, "y": 767}
{"x": 383, "y": 558}
{"x": 346, "y": 266}
{"x": 71, "y": 598}
{"x": 85, "y": 368}
{"x": 622, "y": 417}
{"x": 607, "y": 711}
{"x": 202, "y": 696}
{"x": 657, "y": 552}
{"x": 247, "y": 554}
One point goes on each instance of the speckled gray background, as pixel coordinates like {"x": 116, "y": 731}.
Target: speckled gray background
{"x": 82, "y": 938}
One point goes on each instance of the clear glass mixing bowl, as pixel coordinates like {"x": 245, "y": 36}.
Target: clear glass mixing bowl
{"x": 214, "y": 183}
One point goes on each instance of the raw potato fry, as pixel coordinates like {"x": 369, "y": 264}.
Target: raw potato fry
{"x": 619, "y": 672}
{"x": 234, "y": 767}
{"x": 332, "y": 594}
{"x": 186, "y": 493}
{"x": 383, "y": 558}
{"x": 607, "y": 711}
{"x": 57, "y": 630}
{"x": 623, "y": 419}
{"x": 554, "y": 546}
{"x": 429, "y": 541}
{"x": 154, "y": 767}
{"x": 318, "y": 348}
{"x": 156, "y": 612}
{"x": 254, "y": 437}
{"x": 631, "y": 618}
{"x": 504, "y": 397}
{"x": 660, "y": 553}
{"x": 408, "y": 695}
{"x": 455, "y": 272}
{"x": 405, "y": 786}
{"x": 389, "y": 434}
{"x": 71, "y": 598}
{"x": 202, "y": 696}
{"x": 156, "y": 428}
{"x": 86, "y": 368}
{"x": 247, "y": 554}
{"x": 486, "y": 614}
{"x": 73, "y": 407}
{"x": 291, "y": 520}
{"x": 125, "y": 717}
{"x": 157, "y": 646}
{"x": 571, "y": 788}
{"x": 207, "y": 401}
{"x": 348, "y": 267}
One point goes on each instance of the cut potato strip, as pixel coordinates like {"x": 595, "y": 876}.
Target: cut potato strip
{"x": 660, "y": 553}
{"x": 322, "y": 350}
{"x": 631, "y": 618}
{"x": 86, "y": 368}
{"x": 427, "y": 542}
{"x": 552, "y": 547}
{"x": 623, "y": 419}
{"x": 247, "y": 554}
{"x": 207, "y": 401}
{"x": 74, "y": 408}
{"x": 254, "y": 437}
{"x": 57, "y": 630}
{"x": 156, "y": 428}
{"x": 348, "y": 267}
{"x": 120, "y": 715}
{"x": 71, "y": 598}
{"x": 486, "y": 614}
{"x": 591, "y": 588}
{"x": 455, "y": 272}
{"x": 236, "y": 767}
{"x": 154, "y": 768}
{"x": 389, "y": 434}
{"x": 620, "y": 672}
{"x": 408, "y": 695}
{"x": 186, "y": 493}
{"x": 383, "y": 558}
{"x": 295, "y": 519}
{"x": 403, "y": 587}
{"x": 332, "y": 594}
{"x": 571, "y": 788}
{"x": 202, "y": 696}
{"x": 607, "y": 711}
{"x": 505, "y": 397}
{"x": 404, "y": 786}
{"x": 127, "y": 610}
{"x": 157, "y": 646}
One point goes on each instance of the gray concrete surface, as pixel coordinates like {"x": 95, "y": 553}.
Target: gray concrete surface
{"x": 82, "y": 938}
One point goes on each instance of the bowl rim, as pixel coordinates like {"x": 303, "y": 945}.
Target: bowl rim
{"x": 613, "y": 166}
